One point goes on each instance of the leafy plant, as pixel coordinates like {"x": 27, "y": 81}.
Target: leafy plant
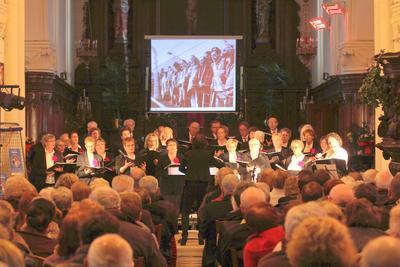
{"x": 378, "y": 90}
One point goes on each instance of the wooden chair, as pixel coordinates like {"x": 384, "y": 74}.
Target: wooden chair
{"x": 36, "y": 259}
{"x": 237, "y": 257}
{"x": 139, "y": 262}
{"x": 158, "y": 231}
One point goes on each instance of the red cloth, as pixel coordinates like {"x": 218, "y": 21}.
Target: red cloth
{"x": 261, "y": 244}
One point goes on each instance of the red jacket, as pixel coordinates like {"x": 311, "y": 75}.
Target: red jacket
{"x": 261, "y": 244}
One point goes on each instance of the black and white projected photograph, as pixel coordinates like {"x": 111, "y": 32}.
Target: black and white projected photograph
{"x": 193, "y": 75}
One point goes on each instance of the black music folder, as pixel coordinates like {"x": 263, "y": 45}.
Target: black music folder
{"x": 64, "y": 165}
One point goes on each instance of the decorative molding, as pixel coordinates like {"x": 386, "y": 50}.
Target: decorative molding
{"x": 355, "y": 57}
{"x": 40, "y": 56}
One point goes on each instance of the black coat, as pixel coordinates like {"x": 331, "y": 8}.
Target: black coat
{"x": 38, "y": 166}
{"x": 196, "y": 165}
{"x": 169, "y": 184}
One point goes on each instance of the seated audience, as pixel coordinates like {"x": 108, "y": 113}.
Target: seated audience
{"x": 264, "y": 221}
{"x": 110, "y": 250}
{"x": 331, "y": 183}
{"x": 367, "y": 191}
{"x": 14, "y": 188}
{"x": 137, "y": 174}
{"x": 67, "y": 180}
{"x": 122, "y": 183}
{"x": 278, "y": 182}
{"x": 236, "y": 232}
{"x": 293, "y": 218}
{"x": 382, "y": 182}
{"x": 369, "y": 176}
{"x": 212, "y": 211}
{"x": 291, "y": 189}
{"x": 321, "y": 176}
{"x": 321, "y": 241}
{"x": 312, "y": 191}
{"x": 394, "y": 222}
{"x": 363, "y": 222}
{"x": 62, "y": 198}
{"x": 10, "y": 255}
{"x": 38, "y": 217}
{"x": 341, "y": 195}
{"x": 80, "y": 191}
{"x": 382, "y": 251}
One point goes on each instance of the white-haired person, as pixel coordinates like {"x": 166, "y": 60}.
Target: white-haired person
{"x": 321, "y": 241}
{"x": 44, "y": 156}
{"x": 88, "y": 160}
{"x": 257, "y": 161}
{"x": 123, "y": 183}
{"x": 278, "y": 153}
{"x": 106, "y": 197}
{"x": 166, "y": 134}
{"x": 231, "y": 157}
{"x": 293, "y": 218}
{"x": 212, "y": 211}
{"x": 110, "y": 250}
{"x": 298, "y": 160}
{"x": 382, "y": 251}
{"x": 163, "y": 212}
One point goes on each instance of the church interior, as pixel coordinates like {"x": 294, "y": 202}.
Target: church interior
{"x": 199, "y": 133}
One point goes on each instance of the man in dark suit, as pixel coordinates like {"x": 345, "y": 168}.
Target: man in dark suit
{"x": 236, "y": 233}
{"x": 272, "y": 127}
{"x": 214, "y": 126}
{"x": 211, "y": 212}
{"x": 243, "y": 136}
{"x": 42, "y": 157}
{"x": 193, "y": 130}
{"x": 88, "y": 159}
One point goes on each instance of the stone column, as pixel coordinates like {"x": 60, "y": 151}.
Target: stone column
{"x": 13, "y": 14}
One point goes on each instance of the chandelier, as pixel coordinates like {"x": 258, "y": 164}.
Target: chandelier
{"x": 306, "y": 44}
{"x": 84, "y": 106}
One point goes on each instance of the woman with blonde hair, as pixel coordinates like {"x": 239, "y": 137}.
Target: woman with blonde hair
{"x": 151, "y": 153}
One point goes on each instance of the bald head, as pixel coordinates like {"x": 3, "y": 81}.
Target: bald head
{"x": 137, "y": 173}
{"x": 341, "y": 194}
{"x": 250, "y": 197}
{"x": 382, "y": 251}
{"x": 383, "y": 179}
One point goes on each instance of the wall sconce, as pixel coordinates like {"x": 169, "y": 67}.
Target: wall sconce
{"x": 319, "y": 23}
{"x": 333, "y": 8}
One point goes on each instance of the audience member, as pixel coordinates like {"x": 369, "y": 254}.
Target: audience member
{"x": 294, "y": 217}
{"x": 321, "y": 176}
{"x": 369, "y": 176}
{"x": 382, "y": 182}
{"x": 367, "y": 191}
{"x": 394, "y": 222}
{"x": 363, "y": 222}
{"x": 321, "y": 241}
{"x": 122, "y": 183}
{"x": 66, "y": 180}
{"x": 10, "y": 255}
{"x": 62, "y": 198}
{"x": 264, "y": 221}
{"x": 39, "y": 215}
{"x": 80, "y": 191}
{"x": 341, "y": 195}
{"x": 312, "y": 191}
{"x": 278, "y": 183}
{"x": 110, "y": 250}
{"x": 382, "y": 251}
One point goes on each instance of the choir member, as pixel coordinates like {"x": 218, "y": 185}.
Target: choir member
{"x": 151, "y": 153}
{"x": 196, "y": 165}
{"x": 298, "y": 160}
{"x": 336, "y": 150}
{"x": 108, "y": 159}
{"x": 286, "y": 135}
{"x": 252, "y": 132}
{"x": 95, "y": 133}
{"x": 222, "y": 137}
{"x": 278, "y": 153}
{"x": 214, "y": 126}
{"x": 256, "y": 160}
{"x": 171, "y": 185}
{"x": 232, "y": 155}
{"x": 193, "y": 130}
{"x": 88, "y": 159}
{"x": 166, "y": 134}
{"x": 130, "y": 125}
{"x": 310, "y": 146}
{"x": 74, "y": 143}
{"x": 90, "y": 126}
{"x": 124, "y": 163}
{"x": 60, "y": 147}
{"x": 272, "y": 124}
{"x": 44, "y": 157}
{"x": 243, "y": 136}
{"x": 65, "y": 138}
{"x": 302, "y": 129}
{"x": 323, "y": 143}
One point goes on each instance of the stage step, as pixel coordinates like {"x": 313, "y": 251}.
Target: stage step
{"x": 189, "y": 255}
